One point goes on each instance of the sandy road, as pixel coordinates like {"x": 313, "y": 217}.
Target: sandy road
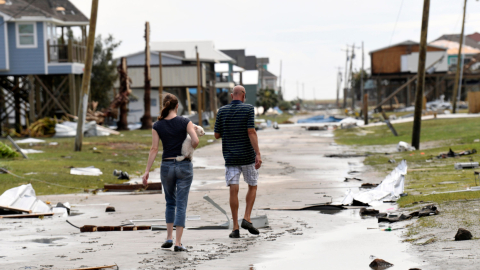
{"x": 294, "y": 173}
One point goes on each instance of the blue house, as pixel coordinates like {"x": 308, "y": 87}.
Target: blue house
{"x": 42, "y": 50}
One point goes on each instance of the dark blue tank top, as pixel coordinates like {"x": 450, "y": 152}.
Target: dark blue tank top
{"x": 172, "y": 133}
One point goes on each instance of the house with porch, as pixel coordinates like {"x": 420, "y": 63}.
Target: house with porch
{"x": 179, "y": 77}
{"x": 42, "y": 50}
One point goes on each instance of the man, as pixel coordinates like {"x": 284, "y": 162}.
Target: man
{"x": 235, "y": 125}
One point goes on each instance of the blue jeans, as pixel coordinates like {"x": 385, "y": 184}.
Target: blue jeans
{"x": 176, "y": 181}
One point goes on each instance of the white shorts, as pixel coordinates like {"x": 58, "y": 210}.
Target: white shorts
{"x": 250, "y": 174}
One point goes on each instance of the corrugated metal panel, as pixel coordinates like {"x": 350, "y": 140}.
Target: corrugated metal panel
{"x": 173, "y": 76}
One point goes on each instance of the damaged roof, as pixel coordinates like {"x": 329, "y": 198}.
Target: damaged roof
{"x": 62, "y": 10}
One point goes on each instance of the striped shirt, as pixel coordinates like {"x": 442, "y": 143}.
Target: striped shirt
{"x": 233, "y": 122}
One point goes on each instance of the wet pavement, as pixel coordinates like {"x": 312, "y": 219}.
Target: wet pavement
{"x": 295, "y": 174}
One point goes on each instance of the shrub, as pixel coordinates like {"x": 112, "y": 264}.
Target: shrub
{"x": 7, "y": 152}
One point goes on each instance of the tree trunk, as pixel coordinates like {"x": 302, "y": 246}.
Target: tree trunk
{"x": 121, "y": 99}
{"x": 147, "y": 117}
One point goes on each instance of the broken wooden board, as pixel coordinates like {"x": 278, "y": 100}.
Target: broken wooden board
{"x": 317, "y": 207}
{"x": 93, "y": 228}
{"x": 9, "y": 208}
{"x": 128, "y": 187}
{"x": 97, "y": 267}
{"x": 28, "y": 215}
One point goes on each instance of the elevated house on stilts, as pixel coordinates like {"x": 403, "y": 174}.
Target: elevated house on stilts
{"x": 42, "y": 50}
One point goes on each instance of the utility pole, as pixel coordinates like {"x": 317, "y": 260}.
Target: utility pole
{"x": 83, "y": 103}
{"x": 417, "y": 120}
{"x": 459, "y": 62}
{"x": 280, "y": 82}
{"x": 199, "y": 89}
{"x": 361, "y": 78}
{"x": 160, "y": 84}
{"x": 352, "y": 91}
{"x": 303, "y": 91}
{"x": 298, "y": 92}
{"x": 147, "y": 116}
{"x": 345, "y": 87}
{"x": 339, "y": 82}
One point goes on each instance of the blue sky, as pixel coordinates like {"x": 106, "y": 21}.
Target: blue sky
{"x": 308, "y": 36}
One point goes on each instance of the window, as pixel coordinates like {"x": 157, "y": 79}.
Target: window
{"x": 26, "y": 35}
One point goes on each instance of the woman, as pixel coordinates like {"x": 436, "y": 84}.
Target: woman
{"x": 176, "y": 176}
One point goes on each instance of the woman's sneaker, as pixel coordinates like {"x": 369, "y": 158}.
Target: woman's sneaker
{"x": 180, "y": 248}
{"x": 167, "y": 244}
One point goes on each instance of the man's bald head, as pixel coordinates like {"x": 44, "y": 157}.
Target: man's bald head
{"x": 238, "y": 90}
{"x": 239, "y": 93}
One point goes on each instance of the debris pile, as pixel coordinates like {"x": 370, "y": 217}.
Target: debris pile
{"x": 389, "y": 189}
{"x": 451, "y": 153}
{"x": 427, "y": 210}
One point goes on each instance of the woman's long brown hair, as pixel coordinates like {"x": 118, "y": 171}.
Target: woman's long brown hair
{"x": 169, "y": 103}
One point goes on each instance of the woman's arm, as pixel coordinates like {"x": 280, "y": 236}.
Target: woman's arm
{"x": 151, "y": 156}
{"x": 191, "y": 131}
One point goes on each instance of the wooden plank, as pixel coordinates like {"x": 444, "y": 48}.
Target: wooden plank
{"x": 15, "y": 209}
{"x": 36, "y": 215}
{"x": 126, "y": 187}
{"x": 95, "y": 267}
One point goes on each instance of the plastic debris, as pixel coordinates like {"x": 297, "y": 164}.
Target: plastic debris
{"x": 91, "y": 171}
{"x": 30, "y": 141}
{"x": 389, "y": 189}
{"x": 403, "y": 146}
{"x": 23, "y": 197}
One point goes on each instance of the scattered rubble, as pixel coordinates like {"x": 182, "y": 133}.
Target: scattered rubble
{"x": 451, "y": 153}
{"x": 463, "y": 234}
{"x": 403, "y": 146}
{"x": 368, "y": 212}
{"x": 379, "y": 264}
{"x": 427, "y": 210}
{"x": 345, "y": 155}
{"x": 466, "y": 165}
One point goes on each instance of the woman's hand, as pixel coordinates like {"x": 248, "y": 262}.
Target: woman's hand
{"x": 145, "y": 178}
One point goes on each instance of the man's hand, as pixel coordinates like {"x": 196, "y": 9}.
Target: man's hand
{"x": 145, "y": 178}
{"x": 258, "y": 162}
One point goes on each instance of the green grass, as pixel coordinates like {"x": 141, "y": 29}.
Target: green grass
{"x": 424, "y": 179}
{"x": 427, "y": 177}
{"x": 462, "y": 130}
{"x": 127, "y": 152}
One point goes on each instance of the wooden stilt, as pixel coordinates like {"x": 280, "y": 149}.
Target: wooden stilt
{"x": 72, "y": 94}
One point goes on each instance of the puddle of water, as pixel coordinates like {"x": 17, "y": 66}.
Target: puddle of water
{"x": 46, "y": 240}
{"x": 352, "y": 241}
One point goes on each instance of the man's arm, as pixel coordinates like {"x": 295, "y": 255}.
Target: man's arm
{"x": 218, "y": 126}
{"x": 252, "y": 134}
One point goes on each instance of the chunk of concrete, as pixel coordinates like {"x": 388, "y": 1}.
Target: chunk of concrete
{"x": 379, "y": 264}
{"x": 463, "y": 234}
